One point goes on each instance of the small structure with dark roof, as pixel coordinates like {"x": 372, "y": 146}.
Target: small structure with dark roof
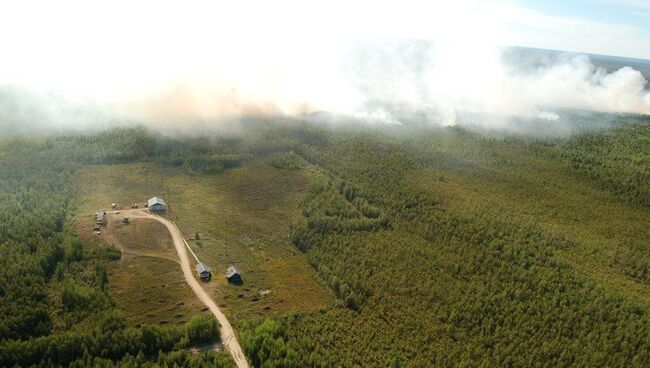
{"x": 233, "y": 275}
{"x": 156, "y": 204}
{"x": 203, "y": 272}
{"x": 100, "y": 220}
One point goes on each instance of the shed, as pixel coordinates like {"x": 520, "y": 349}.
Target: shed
{"x": 233, "y": 274}
{"x": 156, "y": 204}
{"x": 203, "y": 272}
{"x": 99, "y": 217}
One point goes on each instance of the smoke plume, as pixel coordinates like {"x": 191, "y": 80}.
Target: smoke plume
{"x": 206, "y": 65}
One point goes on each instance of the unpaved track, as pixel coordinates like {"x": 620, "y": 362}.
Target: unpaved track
{"x": 227, "y": 333}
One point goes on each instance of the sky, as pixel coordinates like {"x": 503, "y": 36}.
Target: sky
{"x": 107, "y": 45}
{"x": 70, "y": 42}
{"x": 608, "y": 27}
{"x": 222, "y": 56}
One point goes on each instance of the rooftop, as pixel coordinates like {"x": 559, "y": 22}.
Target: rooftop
{"x": 155, "y": 200}
{"x": 232, "y": 271}
{"x": 200, "y": 268}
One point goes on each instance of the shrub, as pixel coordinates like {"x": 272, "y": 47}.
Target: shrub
{"x": 202, "y": 329}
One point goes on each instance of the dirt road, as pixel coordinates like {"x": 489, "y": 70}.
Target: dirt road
{"x": 227, "y": 333}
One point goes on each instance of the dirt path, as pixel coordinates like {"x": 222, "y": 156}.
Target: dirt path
{"x": 227, "y": 333}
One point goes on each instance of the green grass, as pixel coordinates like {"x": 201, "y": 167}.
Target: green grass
{"x": 152, "y": 291}
{"x": 140, "y": 237}
{"x": 242, "y": 216}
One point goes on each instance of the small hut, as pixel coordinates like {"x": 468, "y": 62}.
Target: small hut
{"x": 233, "y": 275}
{"x": 203, "y": 272}
{"x": 156, "y": 204}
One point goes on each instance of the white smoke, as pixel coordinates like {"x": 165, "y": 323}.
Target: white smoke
{"x": 203, "y": 63}
{"x": 404, "y": 81}
{"x": 409, "y": 80}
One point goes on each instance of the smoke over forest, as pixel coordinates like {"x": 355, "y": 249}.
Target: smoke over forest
{"x": 208, "y": 65}
{"x": 374, "y": 82}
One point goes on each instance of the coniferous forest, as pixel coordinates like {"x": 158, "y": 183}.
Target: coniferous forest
{"x": 440, "y": 247}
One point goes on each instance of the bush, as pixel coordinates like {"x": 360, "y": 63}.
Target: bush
{"x": 264, "y": 344}
{"x": 202, "y": 329}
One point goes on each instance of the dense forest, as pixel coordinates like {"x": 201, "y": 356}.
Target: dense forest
{"x": 474, "y": 288}
{"x": 426, "y": 271}
{"x": 619, "y": 159}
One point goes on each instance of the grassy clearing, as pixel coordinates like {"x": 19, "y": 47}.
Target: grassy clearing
{"x": 242, "y": 217}
{"x": 152, "y": 290}
{"x": 142, "y": 236}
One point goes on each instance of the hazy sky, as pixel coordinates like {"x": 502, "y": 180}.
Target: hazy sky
{"x": 119, "y": 49}
{"x": 610, "y": 27}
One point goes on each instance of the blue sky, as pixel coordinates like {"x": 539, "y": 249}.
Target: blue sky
{"x": 633, "y": 12}
{"x": 636, "y": 13}
{"x": 611, "y": 27}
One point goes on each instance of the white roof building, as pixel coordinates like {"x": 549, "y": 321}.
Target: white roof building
{"x": 156, "y": 204}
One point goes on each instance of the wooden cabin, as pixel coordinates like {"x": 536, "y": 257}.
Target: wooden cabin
{"x": 203, "y": 272}
{"x": 233, "y": 275}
